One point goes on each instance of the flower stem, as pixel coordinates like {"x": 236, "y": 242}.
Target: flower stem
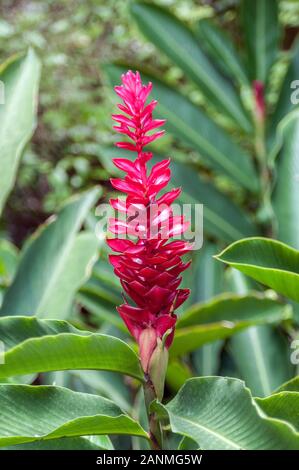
{"x": 265, "y": 213}
{"x": 155, "y": 428}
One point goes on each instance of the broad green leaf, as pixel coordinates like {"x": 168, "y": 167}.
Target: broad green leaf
{"x": 20, "y": 379}
{"x": 219, "y": 414}
{"x": 290, "y": 386}
{"x": 208, "y": 280}
{"x": 33, "y": 345}
{"x": 177, "y": 374}
{"x": 45, "y": 260}
{"x": 284, "y": 103}
{"x": 104, "y": 273}
{"x": 233, "y": 307}
{"x": 47, "y": 412}
{"x": 262, "y": 35}
{"x": 208, "y": 274}
{"x": 15, "y": 329}
{"x": 268, "y": 261}
{"x": 108, "y": 385}
{"x": 262, "y": 357}
{"x": 198, "y": 131}
{"x": 8, "y": 261}
{"x": 20, "y": 78}
{"x": 102, "y": 293}
{"x": 221, "y": 49}
{"x": 77, "y": 270}
{"x": 283, "y": 406}
{"x": 99, "y": 309}
{"x": 181, "y": 46}
{"x": 100, "y": 442}
{"x": 286, "y": 196}
{"x": 222, "y": 317}
{"x": 8, "y": 265}
{"x": 140, "y": 414}
{"x": 261, "y": 353}
{"x": 187, "y": 444}
{"x": 222, "y": 218}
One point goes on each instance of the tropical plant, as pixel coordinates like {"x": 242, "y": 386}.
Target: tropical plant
{"x": 239, "y": 130}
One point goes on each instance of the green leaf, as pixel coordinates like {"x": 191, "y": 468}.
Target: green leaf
{"x": 290, "y": 386}
{"x": 220, "y": 414}
{"x": 47, "y": 412}
{"x": 177, "y": 374}
{"x": 222, "y": 317}
{"x": 222, "y": 218}
{"x": 140, "y": 414}
{"x": 286, "y": 196}
{"x": 101, "y": 310}
{"x": 261, "y": 353}
{"x": 283, "y": 406}
{"x": 187, "y": 444}
{"x": 221, "y": 49}
{"x": 33, "y": 345}
{"x": 284, "y": 103}
{"x": 208, "y": 274}
{"x": 198, "y": 131}
{"x": 16, "y": 329}
{"x": 8, "y": 262}
{"x": 45, "y": 260}
{"x": 181, "y": 46}
{"x": 20, "y": 78}
{"x": 233, "y": 307}
{"x": 77, "y": 270}
{"x": 101, "y": 294}
{"x": 262, "y": 35}
{"x": 100, "y": 442}
{"x": 208, "y": 280}
{"x": 262, "y": 356}
{"x": 268, "y": 261}
{"x": 108, "y": 385}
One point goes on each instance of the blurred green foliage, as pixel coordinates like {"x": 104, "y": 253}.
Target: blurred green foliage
{"x": 74, "y": 39}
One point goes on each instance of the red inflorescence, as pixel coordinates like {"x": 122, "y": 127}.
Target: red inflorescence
{"x": 149, "y": 268}
{"x": 259, "y": 96}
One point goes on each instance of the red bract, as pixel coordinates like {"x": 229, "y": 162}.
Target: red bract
{"x": 149, "y": 267}
{"x": 260, "y": 106}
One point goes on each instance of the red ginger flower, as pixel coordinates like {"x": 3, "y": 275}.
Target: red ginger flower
{"x": 149, "y": 268}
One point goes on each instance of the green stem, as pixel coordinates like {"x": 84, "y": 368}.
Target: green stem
{"x": 266, "y": 211}
{"x": 155, "y": 428}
